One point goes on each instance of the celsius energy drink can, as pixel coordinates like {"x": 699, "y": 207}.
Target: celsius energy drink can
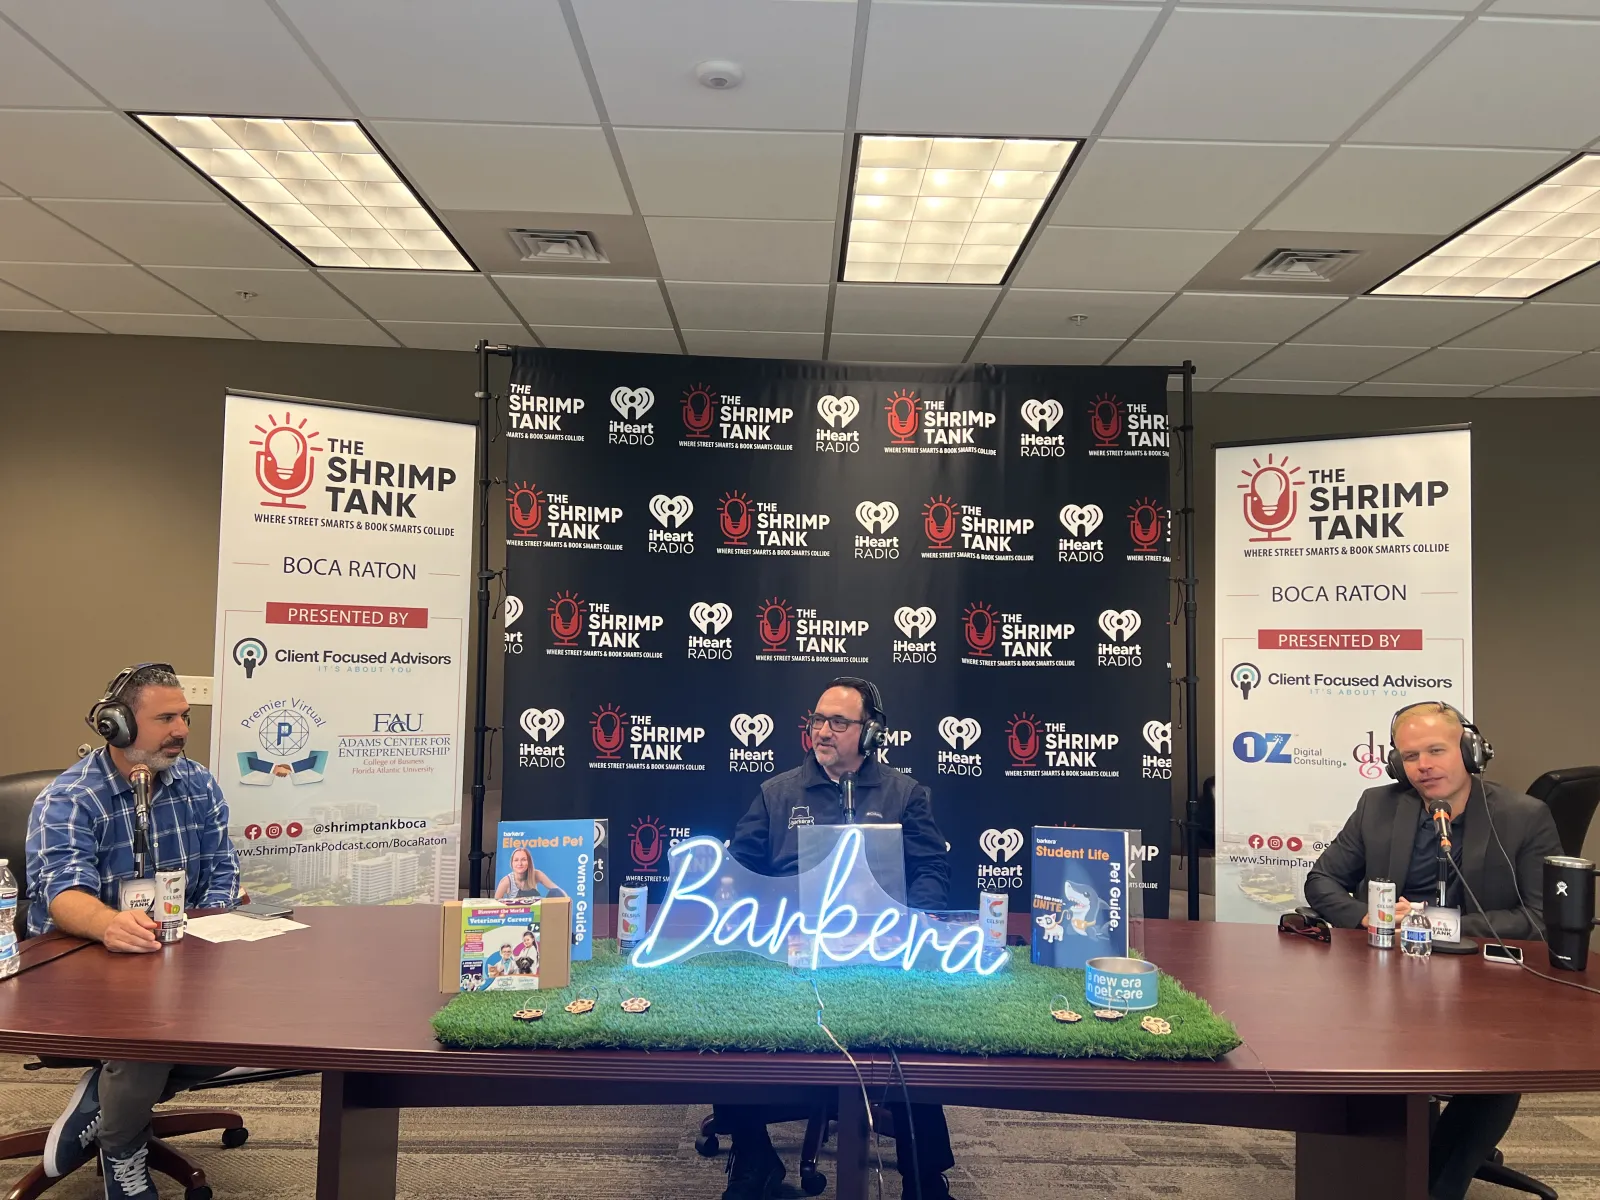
{"x": 170, "y": 887}
{"x": 630, "y": 917}
{"x": 992, "y": 909}
{"x": 1380, "y": 913}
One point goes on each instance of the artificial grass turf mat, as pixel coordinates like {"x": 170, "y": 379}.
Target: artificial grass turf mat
{"x": 738, "y": 1001}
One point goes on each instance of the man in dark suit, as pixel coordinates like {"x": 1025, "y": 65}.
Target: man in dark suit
{"x": 1499, "y": 839}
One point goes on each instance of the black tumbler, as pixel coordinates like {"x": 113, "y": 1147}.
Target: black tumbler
{"x": 1568, "y": 910}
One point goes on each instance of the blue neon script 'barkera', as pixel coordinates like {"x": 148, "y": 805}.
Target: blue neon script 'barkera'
{"x": 1080, "y": 895}
{"x": 715, "y": 904}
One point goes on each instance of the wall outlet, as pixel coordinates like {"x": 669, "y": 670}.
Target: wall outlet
{"x": 196, "y": 688}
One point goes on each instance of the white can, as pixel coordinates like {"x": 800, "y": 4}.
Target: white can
{"x": 171, "y": 887}
{"x": 993, "y": 908}
{"x": 631, "y": 916}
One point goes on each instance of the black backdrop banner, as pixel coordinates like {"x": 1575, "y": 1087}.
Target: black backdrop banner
{"x": 695, "y": 546}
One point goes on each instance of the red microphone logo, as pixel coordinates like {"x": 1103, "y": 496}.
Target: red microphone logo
{"x": 609, "y": 728}
{"x": 1105, "y": 421}
{"x": 978, "y": 624}
{"x": 1270, "y": 499}
{"x": 1022, "y": 739}
{"x": 646, "y": 841}
{"x": 939, "y": 522}
{"x": 777, "y": 619}
{"x": 733, "y": 511}
{"x": 905, "y": 414}
{"x": 284, "y": 464}
{"x": 1144, "y": 523}
{"x": 526, "y": 504}
{"x": 699, "y": 410}
{"x": 566, "y": 618}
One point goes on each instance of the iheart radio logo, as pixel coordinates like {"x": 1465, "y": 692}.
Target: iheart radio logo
{"x": 710, "y": 619}
{"x": 752, "y": 731}
{"x": 777, "y": 622}
{"x": 1105, "y": 421}
{"x": 939, "y": 522}
{"x": 526, "y": 503}
{"x": 513, "y": 610}
{"x": 960, "y": 733}
{"x": 1080, "y": 520}
{"x": 1022, "y": 739}
{"x": 699, "y": 409}
{"x": 671, "y": 511}
{"x": 1158, "y": 736}
{"x": 566, "y": 618}
{"x": 285, "y": 464}
{"x": 1001, "y": 845}
{"x": 915, "y": 623}
{"x": 632, "y": 403}
{"x": 979, "y": 626}
{"x": 838, "y": 411}
{"x": 1042, "y": 415}
{"x": 733, "y": 512}
{"x": 542, "y": 724}
{"x": 904, "y": 411}
{"x": 877, "y": 516}
{"x": 608, "y": 727}
{"x": 1119, "y": 626}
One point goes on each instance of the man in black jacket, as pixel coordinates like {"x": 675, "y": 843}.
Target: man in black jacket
{"x": 1499, "y": 840}
{"x": 845, "y": 728}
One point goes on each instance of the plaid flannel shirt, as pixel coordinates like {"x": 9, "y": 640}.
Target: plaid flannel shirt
{"x": 80, "y": 835}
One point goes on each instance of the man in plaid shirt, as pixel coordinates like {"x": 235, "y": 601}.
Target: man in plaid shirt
{"x": 80, "y": 849}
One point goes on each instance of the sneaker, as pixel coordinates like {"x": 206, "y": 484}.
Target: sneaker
{"x": 753, "y": 1176}
{"x": 72, "y": 1137}
{"x": 128, "y": 1174}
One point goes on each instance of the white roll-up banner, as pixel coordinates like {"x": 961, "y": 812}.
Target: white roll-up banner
{"x": 1343, "y": 594}
{"x": 343, "y": 583}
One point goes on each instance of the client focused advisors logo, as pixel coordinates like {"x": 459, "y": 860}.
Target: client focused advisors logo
{"x": 1011, "y": 640}
{"x": 631, "y": 405}
{"x": 961, "y": 734}
{"x": 542, "y": 726}
{"x": 964, "y": 531}
{"x": 1120, "y": 651}
{"x": 284, "y": 730}
{"x": 710, "y": 620}
{"x": 914, "y": 646}
{"x": 249, "y": 653}
{"x": 1150, "y": 529}
{"x": 595, "y": 629}
{"x": 1000, "y": 846}
{"x": 1157, "y": 765}
{"x": 877, "y": 517}
{"x": 1127, "y": 430}
{"x": 1042, "y": 416}
{"x": 557, "y": 522}
{"x": 760, "y": 527}
{"x": 1245, "y": 676}
{"x": 285, "y": 463}
{"x": 804, "y": 635}
{"x": 719, "y": 420}
{"x": 752, "y": 733}
{"x": 835, "y": 436}
{"x": 918, "y": 426}
{"x": 671, "y": 513}
{"x": 540, "y": 418}
{"x": 1050, "y": 749}
{"x": 1080, "y": 520}
{"x": 1270, "y": 499}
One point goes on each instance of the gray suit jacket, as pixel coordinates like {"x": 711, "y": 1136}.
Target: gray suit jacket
{"x": 1376, "y": 843}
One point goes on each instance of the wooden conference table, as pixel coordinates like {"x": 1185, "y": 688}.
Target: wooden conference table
{"x": 1343, "y": 1045}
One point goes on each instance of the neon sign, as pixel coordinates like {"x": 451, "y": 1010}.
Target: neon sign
{"x": 834, "y": 914}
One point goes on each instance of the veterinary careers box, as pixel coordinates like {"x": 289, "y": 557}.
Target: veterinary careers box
{"x": 549, "y": 858}
{"x": 486, "y": 946}
{"x": 1080, "y": 895}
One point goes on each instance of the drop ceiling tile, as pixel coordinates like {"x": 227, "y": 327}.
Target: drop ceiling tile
{"x": 750, "y": 307}
{"x": 1154, "y": 260}
{"x": 733, "y": 173}
{"x": 29, "y": 234}
{"x": 631, "y": 341}
{"x": 175, "y": 233}
{"x": 5, "y": 191}
{"x": 1460, "y": 6}
{"x": 1403, "y": 189}
{"x": 422, "y": 296}
{"x": 1213, "y": 359}
{"x": 1401, "y": 321}
{"x": 929, "y": 66}
{"x": 329, "y": 330}
{"x": 1415, "y": 390}
{"x": 1201, "y": 384}
{"x": 276, "y": 293}
{"x": 482, "y": 60}
{"x": 1539, "y": 327}
{"x": 1519, "y": 392}
{"x": 214, "y": 56}
{"x": 1237, "y": 317}
{"x": 796, "y": 59}
{"x": 1327, "y": 362}
{"x": 1482, "y": 367}
{"x": 454, "y": 335}
{"x": 1583, "y": 288}
{"x": 164, "y": 325}
{"x": 1290, "y": 387}
{"x": 1580, "y": 371}
{"x": 28, "y": 79}
{"x": 906, "y": 308}
{"x": 1038, "y": 313}
{"x": 722, "y": 251}
{"x": 1550, "y": 8}
{"x": 1291, "y": 76}
{"x": 83, "y": 288}
{"x": 896, "y": 348}
{"x": 560, "y": 168}
{"x": 486, "y": 238}
{"x": 1545, "y": 91}
{"x": 43, "y": 321}
{"x": 1045, "y": 351}
{"x": 1179, "y": 185}
{"x": 13, "y": 298}
{"x": 91, "y": 155}
{"x": 746, "y": 344}
{"x": 627, "y": 303}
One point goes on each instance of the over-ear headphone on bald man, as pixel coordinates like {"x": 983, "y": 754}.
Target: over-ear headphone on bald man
{"x": 111, "y": 716}
{"x": 877, "y": 722}
{"x": 1475, "y": 748}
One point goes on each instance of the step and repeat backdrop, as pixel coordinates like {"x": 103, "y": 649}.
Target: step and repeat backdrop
{"x": 696, "y": 546}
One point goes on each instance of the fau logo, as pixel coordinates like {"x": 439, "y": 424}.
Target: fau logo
{"x": 1022, "y": 739}
{"x": 939, "y": 522}
{"x": 608, "y": 727}
{"x": 979, "y": 626}
{"x": 699, "y": 410}
{"x": 904, "y": 414}
{"x": 526, "y": 503}
{"x": 776, "y": 624}
{"x": 1105, "y": 420}
{"x": 566, "y": 617}
{"x": 733, "y": 513}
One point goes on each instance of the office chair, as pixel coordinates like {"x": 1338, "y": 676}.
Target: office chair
{"x": 17, "y": 794}
{"x": 819, "y": 1121}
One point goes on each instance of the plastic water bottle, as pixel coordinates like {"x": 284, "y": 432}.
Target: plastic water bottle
{"x": 1416, "y": 935}
{"x": 8, "y": 921}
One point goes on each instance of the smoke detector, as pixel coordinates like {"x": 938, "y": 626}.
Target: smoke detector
{"x": 719, "y": 74}
{"x": 557, "y": 245}
{"x": 1304, "y": 266}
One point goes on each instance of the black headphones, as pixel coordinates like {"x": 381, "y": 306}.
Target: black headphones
{"x": 110, "y": 716}
{"x": 1475, "y": 748}
{"x": 877, "y": 722}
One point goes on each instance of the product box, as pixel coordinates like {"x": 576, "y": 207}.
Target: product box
{"x": 1080, "y": 895}
{"x": 487, "y": 945}
{"x": 538, "y": 859}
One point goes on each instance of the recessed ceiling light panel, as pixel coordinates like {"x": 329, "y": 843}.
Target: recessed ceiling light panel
{"x": 1532, "y": 242}
{"x": 946, "y": 209}
{"x": 321, "y": 186}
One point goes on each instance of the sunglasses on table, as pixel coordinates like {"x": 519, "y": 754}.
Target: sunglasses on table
{"x": 1300, "y": 925}
{"x": 815, "y": 721}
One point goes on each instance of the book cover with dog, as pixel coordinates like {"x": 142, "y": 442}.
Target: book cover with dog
{"x": 1080, "y": 895}
{"x": 490, "y": 946}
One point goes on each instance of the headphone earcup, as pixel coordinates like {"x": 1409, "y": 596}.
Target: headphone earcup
{"x": 871, "y": 738}
{"x": 1475, "y": 751}
{"x": 1395, "y": 766}
{"x": 115, "y": 723}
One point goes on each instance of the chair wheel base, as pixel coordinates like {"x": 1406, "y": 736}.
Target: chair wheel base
{"x": 707, "y": 1145}
{"x": 234, "y": 1138}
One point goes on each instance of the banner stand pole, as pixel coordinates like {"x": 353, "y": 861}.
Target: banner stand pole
{"x": 1191, "y": 671}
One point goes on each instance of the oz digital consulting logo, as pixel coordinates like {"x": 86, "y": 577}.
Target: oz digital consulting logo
{"x": 1270, "y": 499}
{"x": 285, "y": 463}
{"x": 1252, "y": 747}
{"x": 1245, "y": 676}
{"x": 249, "y": 653}
{"x": 284, "y": 730}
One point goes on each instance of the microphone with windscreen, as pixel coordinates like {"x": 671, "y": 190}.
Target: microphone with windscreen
{"x": 140, "y": 778}
{"x": 847, "y": 791}
{"x": 1568, "y": 910}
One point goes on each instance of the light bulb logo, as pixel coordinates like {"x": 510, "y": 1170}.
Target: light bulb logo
{"x": 1105, "y": 421}
{"x": 1022, "y": 739}
{"x": 904, "y": 411}
{"x": 608, "y": 728}
{"x": 1270, "y": 499}
{"x": 1144, "y": 523}
{"x": 1245, "y": 676}
{"x": 249, "y": 653}
{"x": 699, "y": 409}
{"x": 939, "y": 522}
{"x": 776, "y": 622}
{"x": 285, "y": 463}
{"x": 566, "y": 618}
{"x": 978, "y": 624}
{"x": 525, "y": 503}
{"x": 733, "y": 513}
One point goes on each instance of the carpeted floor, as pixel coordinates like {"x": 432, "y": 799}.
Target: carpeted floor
{"x": 649, "y": 1152}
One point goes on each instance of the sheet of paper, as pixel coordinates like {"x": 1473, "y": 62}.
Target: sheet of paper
{"x": 231, "y": 927}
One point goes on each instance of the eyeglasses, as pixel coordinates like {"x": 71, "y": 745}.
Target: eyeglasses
{"x": 815, "y": 721}
{"x": 1301, "y": 925}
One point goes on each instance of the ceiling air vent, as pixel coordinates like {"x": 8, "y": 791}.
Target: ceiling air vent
{"x": 556, "y": 245}
{"x": 1304, "y": 266}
